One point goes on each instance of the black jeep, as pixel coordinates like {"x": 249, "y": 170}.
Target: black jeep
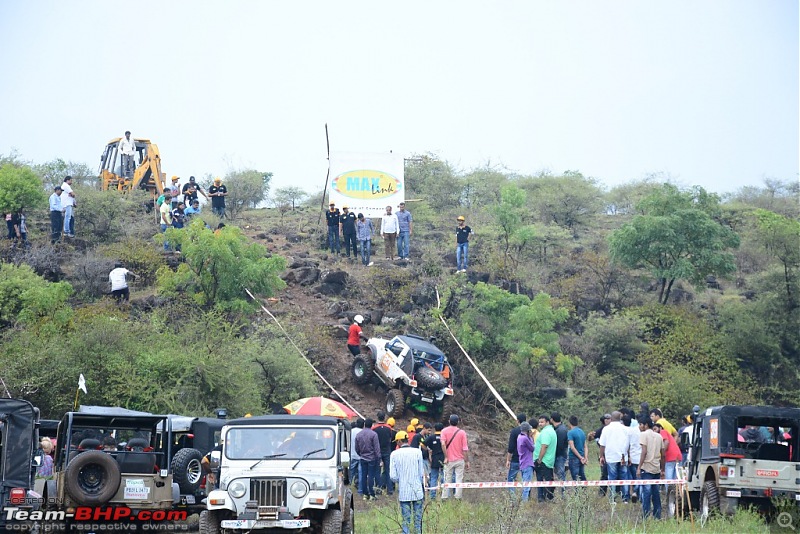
{"x": 19, "y": 440}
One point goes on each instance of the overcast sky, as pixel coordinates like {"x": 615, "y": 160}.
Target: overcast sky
{"x": 706, "y": 92}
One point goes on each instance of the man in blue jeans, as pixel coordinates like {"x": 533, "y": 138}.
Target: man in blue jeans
{"x": 462, "y": 245}
{"x": 651, "y": 466}
{"x": 332, "y": 216}
{"x": 369, "y": 450}
{"x": 562, "y": 448}
{"x": 407, "y": 470}
{"x": 406, "y": 228}
{"x": 512, "y": 454}
{"x": 525, "y": 455}
{"x": 614, "y": 453}
{"x": 576, "y": 438}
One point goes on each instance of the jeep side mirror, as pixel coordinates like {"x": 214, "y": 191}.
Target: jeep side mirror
{"x": 37, "y": 461}
{"x": 214, "y": 460}
{"x": 344, "y": 458}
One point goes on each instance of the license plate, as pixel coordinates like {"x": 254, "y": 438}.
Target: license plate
{"x": 426, "y": 399}
{"x": 797, "y": 497}
{"x": 731, "y": 493}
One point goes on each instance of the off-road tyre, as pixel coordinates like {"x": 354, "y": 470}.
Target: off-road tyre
{"x": 446, "y": 409}
{"x": 92, "y": 478}
{"x": 395, "y": 403}
{"x": 348, "y": 519}
{"x": 429, "y": 379}
{"x": 209, "y": 522}
{"x": 709, "y": 500}
{"x": 331, "y": 522}
{"x": 186, "y": 470}
{"x": 674, "y": 503}
{"x": 363, "y": 368}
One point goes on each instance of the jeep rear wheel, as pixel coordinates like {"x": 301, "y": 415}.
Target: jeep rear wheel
{"x": 709, "y": 500}
{"x": 363, "y": 369}
{"x": 186, "y": 469}
{"x": 209, "y": 522}
{"x": 395, "y": 403}
{"x": 92, "y": 478}
{"x": 446, "y": 408}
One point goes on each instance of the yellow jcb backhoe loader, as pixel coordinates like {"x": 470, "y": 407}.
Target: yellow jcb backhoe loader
{"x": 145, "y": 175}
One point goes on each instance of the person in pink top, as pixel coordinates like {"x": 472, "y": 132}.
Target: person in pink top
{"x": 456, "y": 455}
{"x": 672, "y": 455}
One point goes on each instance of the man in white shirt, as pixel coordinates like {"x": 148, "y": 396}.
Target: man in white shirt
{"x": 407, "y": 470}
{"x": 119, "y": 282}
{"x": 56, "y": 215}
{"x": 615, "y": 443}
{"x": 68, "y": 205}
{"x": 635, "y": 452}
{"x": 390, "y": 228}
{"x": 127, "y": 147}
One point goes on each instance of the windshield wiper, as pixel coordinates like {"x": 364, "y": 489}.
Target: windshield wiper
{"x": 306, "y": 455}
{"x": 267, "y": 457}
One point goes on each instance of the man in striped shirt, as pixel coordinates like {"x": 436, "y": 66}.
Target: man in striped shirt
{"x": 406, "y": 468}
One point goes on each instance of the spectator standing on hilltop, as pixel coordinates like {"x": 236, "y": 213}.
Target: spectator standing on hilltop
{"x": 355, "y": 335}
{"x": 456, "y": 453}
{"x": 406, "y": 226}
{"x": 364, "y": 231}
{"x": 512, "y": 454}
{"x": 390, "y": 229}
{"x": 408, "y": 471}
{"x": 614, "y": 452}
{"x": 218, "y": 192}
{"x": 165, "y": 217}
{"x": 20, "y": 228}
{"x": 462, "y": 245}
{"x": 544, "y": 456}
{"x": 119, "y": 282}
{"x": 56, "y": 215}
{"x": 562, "y": 448}
{"x": 368, "y": 448}
{"x": 193, "y": 209}
{"x": 385, "y": 436}
{"x": 127, "y": 148}
{"x": 332, "y": 217}
{"x": 651, "y": 465}
{"x": 175, "y": 191}
{"x": 192, "y": 188}
{"x": 635, "y": 454}
{"x": 178, "y": 220}
{"x": 355, "y": 459}
{"x": 68, "y": 205}
{"x": 578, "y": 459}
{"x": 433, "y": 443}
{"x": 525, "y": 448}
{"x": 348, "y": 221}
{"x": 10, "y": 226}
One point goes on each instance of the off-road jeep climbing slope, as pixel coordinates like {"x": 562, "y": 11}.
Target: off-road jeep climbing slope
{"x": 416, "y": 372}
{"x": 282, "y": 472}
{"x": 135, "y": 475}
{"x": 742, "y": 454}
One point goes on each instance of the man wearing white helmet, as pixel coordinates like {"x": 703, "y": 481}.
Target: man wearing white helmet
{"x": 355, "y": 335}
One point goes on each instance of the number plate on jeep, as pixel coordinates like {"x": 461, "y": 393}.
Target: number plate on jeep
{"x": 426, "y": 399}
{"x": 731, "y": 493}
{"x": 767, "y": 473}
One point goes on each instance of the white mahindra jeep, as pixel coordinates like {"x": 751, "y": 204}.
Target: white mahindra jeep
{"x": 281, "y": 472}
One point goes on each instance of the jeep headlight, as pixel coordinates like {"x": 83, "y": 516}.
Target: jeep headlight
{"x": 298, "y": 490}
{"x": 237, "y": 489}
{"x": 321, "y": 483}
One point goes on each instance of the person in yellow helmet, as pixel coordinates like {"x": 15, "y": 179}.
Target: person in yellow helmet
{"x": 218, "y": 192}
{"x": 175, "y": 191}
{"x": 462, "y": 245}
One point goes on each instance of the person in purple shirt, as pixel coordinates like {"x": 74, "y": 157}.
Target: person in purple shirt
{"x": 525, "y": 451}
{"x": 369, "y": 449}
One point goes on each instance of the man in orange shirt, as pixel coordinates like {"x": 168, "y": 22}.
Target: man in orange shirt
{"x": 456, "y": 454}
{"x": 355, "y": 335}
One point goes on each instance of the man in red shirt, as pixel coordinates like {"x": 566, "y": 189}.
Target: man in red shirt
{"x": 456, "y": 454}
{"x": 354, "y": 336}
{"x": 672, "y": 455}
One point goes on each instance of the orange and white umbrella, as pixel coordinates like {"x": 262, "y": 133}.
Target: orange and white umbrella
{"x": 320, "y": 406}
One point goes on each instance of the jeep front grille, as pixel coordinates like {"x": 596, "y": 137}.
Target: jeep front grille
{"x": 268, "y": 491}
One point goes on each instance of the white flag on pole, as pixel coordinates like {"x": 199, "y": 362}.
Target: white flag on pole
{"x": 82, "y": 383}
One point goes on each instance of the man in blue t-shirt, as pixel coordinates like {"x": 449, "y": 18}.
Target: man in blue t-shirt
{"x": 577, "y": 449}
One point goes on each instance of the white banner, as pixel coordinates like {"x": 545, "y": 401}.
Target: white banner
{"x": 366, "y": 182}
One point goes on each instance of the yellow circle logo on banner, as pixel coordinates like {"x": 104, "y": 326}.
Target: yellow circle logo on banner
{"x": 366, "y": 184}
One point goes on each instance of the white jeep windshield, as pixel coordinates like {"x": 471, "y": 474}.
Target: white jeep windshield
{"x": 280, "y": 443}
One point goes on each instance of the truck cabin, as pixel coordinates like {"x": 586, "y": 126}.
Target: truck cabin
{"x": 111, "y": 159}
{"x": 751, "y": 432}
{"x": 131, "y": 440}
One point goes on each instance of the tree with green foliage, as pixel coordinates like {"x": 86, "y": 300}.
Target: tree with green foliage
{"x": 287, "y": 198}
{"x": 218, "y": 265}
{"x": 53, "y": 172}
{"x": 433, "y": 180}
{"x": 676, "y": 238}
{"x": 246, "y": 188}
{"x": 570, "y": 200}
{"x": 781, "y": 237}
{"x": 26, "y": 297}
{"x": 19, "y": 188}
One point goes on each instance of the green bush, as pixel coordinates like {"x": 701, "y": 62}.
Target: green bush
{"x": 139, "y": 256}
